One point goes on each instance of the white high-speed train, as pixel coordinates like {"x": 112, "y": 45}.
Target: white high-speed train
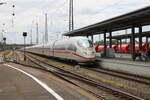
{"x": 79, "y": 49}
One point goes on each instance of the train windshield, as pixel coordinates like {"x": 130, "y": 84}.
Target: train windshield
{"x": 85, "y": 43}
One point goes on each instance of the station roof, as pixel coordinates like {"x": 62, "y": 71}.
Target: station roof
{"x": 126, "y": 36}
{"x": 136, "y": 18}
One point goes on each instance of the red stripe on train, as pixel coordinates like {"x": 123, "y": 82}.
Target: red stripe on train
{"x": 87, "y": 58}
{"x": 68, "y": 52}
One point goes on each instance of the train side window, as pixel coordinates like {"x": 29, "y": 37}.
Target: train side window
{"x": 72, "y": 48}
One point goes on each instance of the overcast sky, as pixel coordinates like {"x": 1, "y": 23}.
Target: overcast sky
{"x": 86, "y": 12}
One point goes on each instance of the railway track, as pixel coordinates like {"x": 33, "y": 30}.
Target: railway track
{"x": 119, "y": 74}
{"x": 123, "y": 75}
{"x": 72, "y": 77}
{"x": 60, "y": 75}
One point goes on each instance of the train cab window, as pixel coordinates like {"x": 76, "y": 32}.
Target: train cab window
{"x": 85, "y": 43}
{"x": 72, "y": 48}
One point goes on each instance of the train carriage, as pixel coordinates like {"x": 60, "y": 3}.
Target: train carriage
{"x": 79, "y": 49}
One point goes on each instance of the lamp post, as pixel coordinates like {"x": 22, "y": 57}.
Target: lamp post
{"x": 4, "y": 44}
{"x": 24, "y": 35}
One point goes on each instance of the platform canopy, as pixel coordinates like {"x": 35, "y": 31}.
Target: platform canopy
{"x": 127, "y": 36}
{"x": 136, "y": 18}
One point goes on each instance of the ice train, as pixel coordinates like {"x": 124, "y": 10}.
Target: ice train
{"x": 78, "y": 49}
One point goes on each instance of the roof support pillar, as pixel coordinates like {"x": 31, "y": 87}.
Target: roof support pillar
{"x": 130, "y": 45}
{"x": 146, "y": 43}
{"x": 92, "y": 39}
{"x": 110, "y": 39}
{"x": 133, "y": 43}
{"x": 140, "y": 40}
{"x": 120, "y": 45}
{"x": 117, "y": 44}
{"x": 105, "y": 46}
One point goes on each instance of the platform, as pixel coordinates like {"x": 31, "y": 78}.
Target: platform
{"x": 141, "y": 68}
{"x": 15, "y": 85}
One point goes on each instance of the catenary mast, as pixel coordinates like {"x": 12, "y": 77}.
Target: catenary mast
{"x": 46, "y": 29}
{"x": 71, "y": 16}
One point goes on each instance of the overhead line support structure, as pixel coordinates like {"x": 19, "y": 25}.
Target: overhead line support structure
{"x": 71, "y": 16}
{"x": 46, "y": 29}
{"x": 37, "y": 33}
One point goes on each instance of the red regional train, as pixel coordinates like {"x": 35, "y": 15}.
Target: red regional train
{"x": 124, "y": 48}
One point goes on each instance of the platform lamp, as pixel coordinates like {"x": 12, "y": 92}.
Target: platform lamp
{"x": 24, "y": 35}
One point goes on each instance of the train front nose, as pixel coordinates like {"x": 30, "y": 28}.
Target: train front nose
{"x": 90, "y": 55}
{"x": 86, "y": 50}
